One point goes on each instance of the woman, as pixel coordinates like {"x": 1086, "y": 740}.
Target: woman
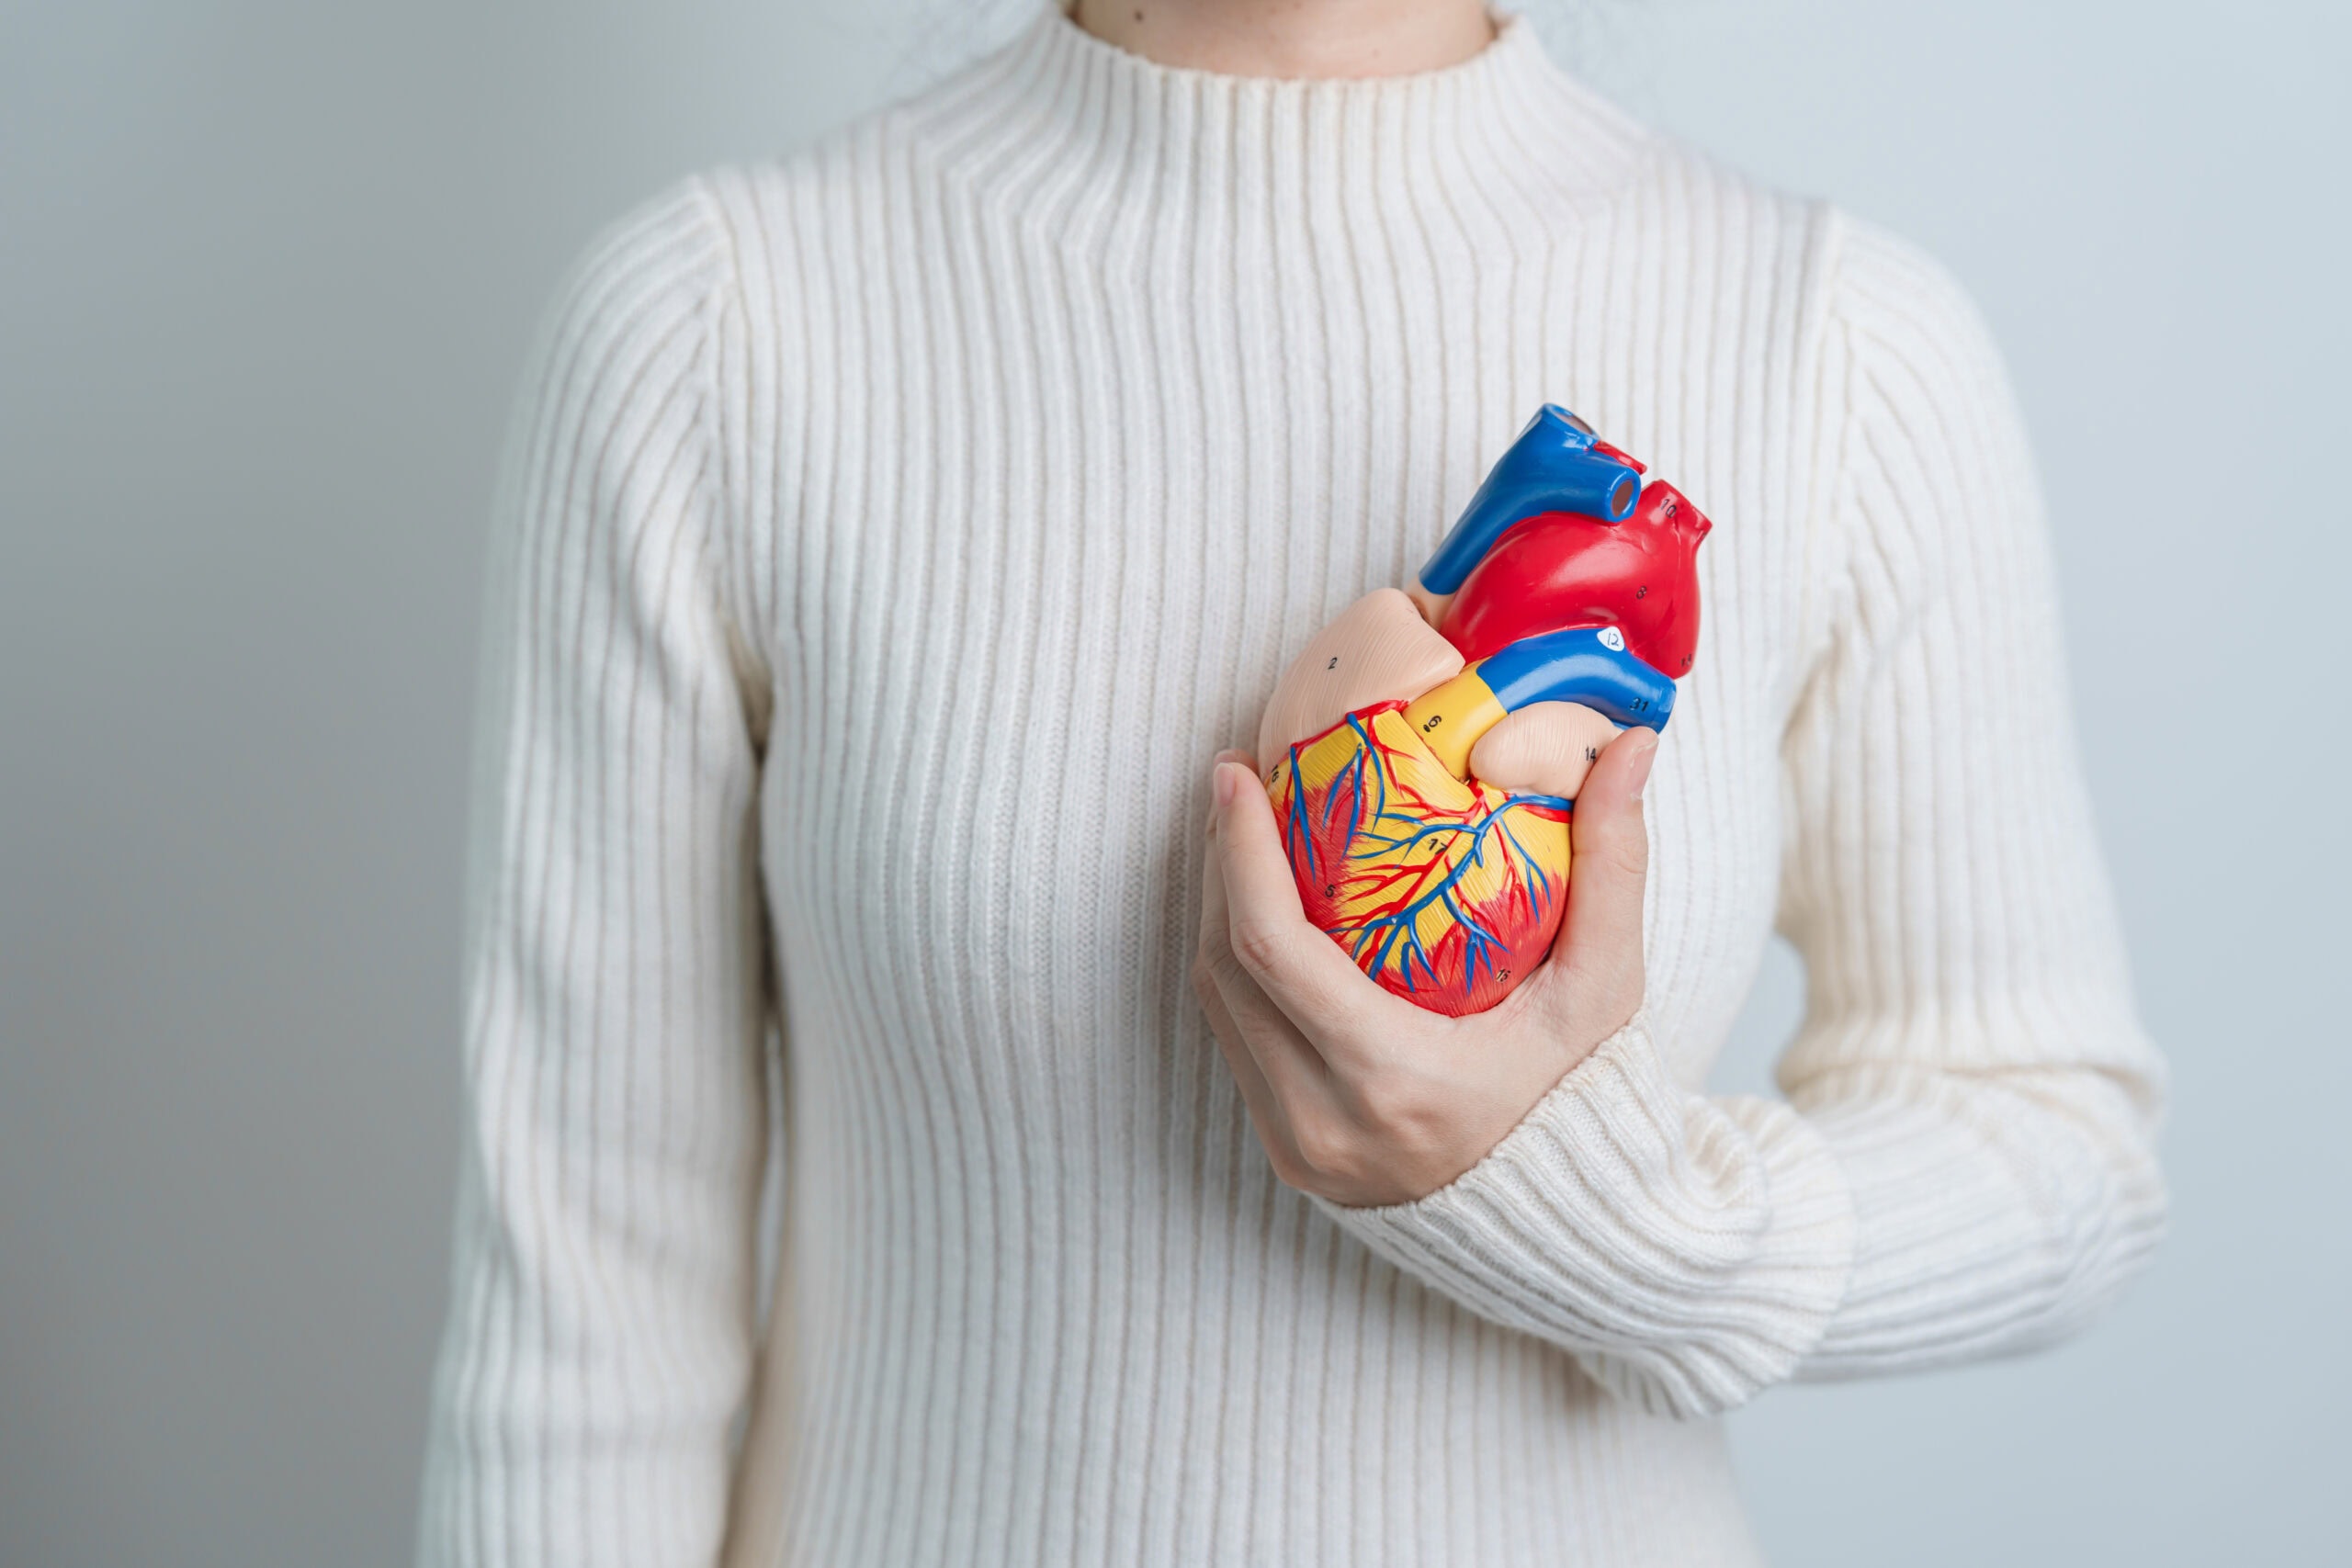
{"x": 892, "y": 536}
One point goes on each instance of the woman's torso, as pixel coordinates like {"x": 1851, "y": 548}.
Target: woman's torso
{"x": 1055, "y": 413}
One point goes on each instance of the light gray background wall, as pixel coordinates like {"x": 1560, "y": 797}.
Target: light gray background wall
{"x": 267, "y": 273}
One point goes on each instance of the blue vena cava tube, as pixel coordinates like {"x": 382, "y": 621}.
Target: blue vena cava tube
{"x": 1550, "y": 467}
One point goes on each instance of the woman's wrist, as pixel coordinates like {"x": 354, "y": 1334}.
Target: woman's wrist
{"x": 1690, "y": 1251}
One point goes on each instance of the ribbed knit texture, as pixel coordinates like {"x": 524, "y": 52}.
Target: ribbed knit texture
{"x": 891, "y": 535}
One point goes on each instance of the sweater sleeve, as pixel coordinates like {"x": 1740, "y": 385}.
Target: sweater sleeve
{"x": 1964, "y": 1164}
{"x": 599, "y": 1335}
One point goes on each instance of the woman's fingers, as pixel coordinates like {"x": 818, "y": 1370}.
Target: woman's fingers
{"x": 1266, "y": 1113}
{"x": 1596, "y": 961}
{"x": 1300, "y": 970}
{"x": 1207, "y": 953}
{"x": 1271, "y": 1058}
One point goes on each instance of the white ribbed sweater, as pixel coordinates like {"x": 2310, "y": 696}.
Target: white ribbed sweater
{"x": 892, "y": 533}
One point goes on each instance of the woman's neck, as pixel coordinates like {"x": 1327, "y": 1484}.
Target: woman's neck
{"x": 1293, "y": 39}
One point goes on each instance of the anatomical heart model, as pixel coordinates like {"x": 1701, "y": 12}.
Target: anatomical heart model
{"x": 1425, "y": 753}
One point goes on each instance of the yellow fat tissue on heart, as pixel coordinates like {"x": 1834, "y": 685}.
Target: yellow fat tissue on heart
{"x": 1441, "y": 889}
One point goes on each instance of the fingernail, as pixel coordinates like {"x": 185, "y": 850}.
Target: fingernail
{"x": 1221, "y": 781}
{"x": 1642, "y": 765}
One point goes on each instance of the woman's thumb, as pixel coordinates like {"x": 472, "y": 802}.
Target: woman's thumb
{"x": 1609, "y": 864}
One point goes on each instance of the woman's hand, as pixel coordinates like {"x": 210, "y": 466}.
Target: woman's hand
{"x": 1359, "y": 1096}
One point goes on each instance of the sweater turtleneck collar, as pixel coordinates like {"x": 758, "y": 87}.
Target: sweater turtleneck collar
{"x": 1061, "y": 117}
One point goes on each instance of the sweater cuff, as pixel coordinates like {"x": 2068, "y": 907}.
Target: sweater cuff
{"x": 1689, "y": 1251}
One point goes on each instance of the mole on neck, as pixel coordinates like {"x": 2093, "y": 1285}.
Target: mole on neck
{"x": 1293, "y": 39}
